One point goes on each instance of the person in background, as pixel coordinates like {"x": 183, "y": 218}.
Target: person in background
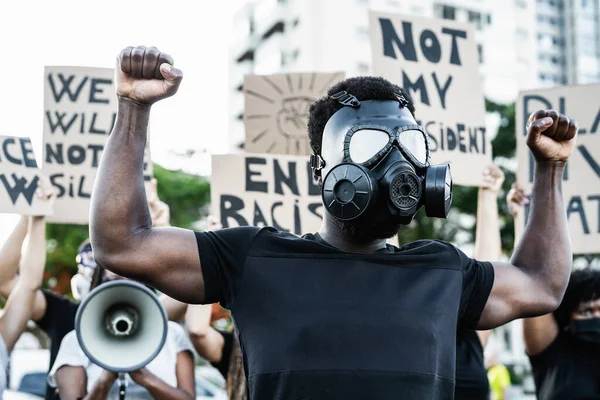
{"x": 564, "y": 347}
{"x": 17, "y": 310}
{"x": 52, "y": 312}
{"x": 170, "y": 375}
{"x": 471, "y": 375}
{"x": 497, "y": 374}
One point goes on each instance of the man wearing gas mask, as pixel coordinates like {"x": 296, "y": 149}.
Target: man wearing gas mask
{"x": 338, "y": 314}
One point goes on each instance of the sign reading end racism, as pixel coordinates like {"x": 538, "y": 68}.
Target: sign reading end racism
{"x": 265, "y": 190}
{"x": 19, "y": 178}
{"x": 80, "y": 109}
{"x": 581, "y": 180}
{"x": 436, "y": 62}
{"x": 276, "y": 110}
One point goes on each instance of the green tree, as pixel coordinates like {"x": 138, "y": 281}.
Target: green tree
{"x": 185, "y": 194}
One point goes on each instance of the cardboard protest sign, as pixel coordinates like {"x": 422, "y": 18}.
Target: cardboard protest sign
{"x": 80, "y": 109}
{"x": 19, "y": 178}
{"x": 265, "y": 190}
{"x": 436, "y": 62}
{"x": 276, "y": 110}
{"x": 581, "y": 180}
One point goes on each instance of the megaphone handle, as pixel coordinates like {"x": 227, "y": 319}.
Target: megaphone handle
{"x": 122, "y": 385}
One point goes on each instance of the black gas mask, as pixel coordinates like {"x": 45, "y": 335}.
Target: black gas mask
{"x": 376, "y": 160}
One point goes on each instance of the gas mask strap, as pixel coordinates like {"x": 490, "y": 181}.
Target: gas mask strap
{"x": 346, "y": 99}
{"x": 316, "y": 163}
{"x": 401, "y": 99}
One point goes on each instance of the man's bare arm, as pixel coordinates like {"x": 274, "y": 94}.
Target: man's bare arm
{"x": 534, "y": 282}
{"x": 10, "y": 256}
{"x": 538, "y": 332}
{"x": 121, "y": 231}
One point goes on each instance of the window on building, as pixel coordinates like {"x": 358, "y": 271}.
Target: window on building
{"x": 362, "y": 33}
{"x": 542, "y": 77}
{"x": 448, "y": 12}
{"x": 521, "y": 3}
{"x": 480, "y": 52}
{"x": 296, "y": 22}
{"x": 362, "y": 68}
{"x": 475, "y": 17}
{"x": 362, "y": 2}
{"x": 489, "y": 19}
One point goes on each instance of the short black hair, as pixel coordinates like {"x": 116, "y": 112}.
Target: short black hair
{"x": 363, "y": 88}
{"x": 584, "y": 285}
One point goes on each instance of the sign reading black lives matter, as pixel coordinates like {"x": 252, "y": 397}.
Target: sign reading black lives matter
{"x": 581, "y": 180}
{"x": 276, "y": 110}
{"x": 436, "y": 62}
{"x": 261, "y": 190}
{"x": 80, "y": 109}
{"x": 19, "y": 178}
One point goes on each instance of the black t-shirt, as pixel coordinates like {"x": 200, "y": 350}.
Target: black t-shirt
{"x": 471, "y": 376}
{"x": 567, "y": 369}
{"x": 58, "y": 320}
{"x": 315, "y": 322}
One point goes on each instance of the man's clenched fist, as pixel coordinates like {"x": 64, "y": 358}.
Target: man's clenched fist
{"x": 145, "y": 75}
{"x": 551, "y": 136}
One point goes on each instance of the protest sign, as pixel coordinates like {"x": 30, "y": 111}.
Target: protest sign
{"x": 276, "y": 110}
{"x": 581, "y": 180}
{"x": 80, "y": 109}
{"x": 265, "y": 190}
{"x": 19, "y": 178}
{"x": 436, "y": 62}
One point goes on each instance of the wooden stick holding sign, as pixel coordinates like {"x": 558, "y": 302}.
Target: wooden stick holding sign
{"x": 436, "y": 62}
{"x": 581, "y": 179}
{"x": 20, "y": 179}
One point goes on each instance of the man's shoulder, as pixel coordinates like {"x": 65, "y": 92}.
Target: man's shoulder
{"x": 429, "y": 247}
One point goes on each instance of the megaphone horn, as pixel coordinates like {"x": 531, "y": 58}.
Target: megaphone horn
{"x": 121, "y": 326}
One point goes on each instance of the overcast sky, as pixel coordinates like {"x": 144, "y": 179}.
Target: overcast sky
{"x": 84, "y": 33}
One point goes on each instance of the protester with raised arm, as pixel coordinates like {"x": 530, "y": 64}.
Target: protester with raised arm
{"x": 338, "y": 313}
{"x": 564, "y": 346}
{"x": 17, "y": 311}
{"x": 471, "y": 374}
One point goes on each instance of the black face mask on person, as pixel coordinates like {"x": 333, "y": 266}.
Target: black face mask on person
{"x": 587, "y": 330}
{"x": 377, "y": 172}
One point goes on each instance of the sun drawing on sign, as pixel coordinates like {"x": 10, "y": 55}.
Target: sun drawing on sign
{"x": 277, "y": 107}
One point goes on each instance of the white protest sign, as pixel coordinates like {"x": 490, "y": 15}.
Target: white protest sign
{"x": 276, "y": 110}
{"x": 19, "y": 178}
{"x": 80, "y": 109}
{"x": 265, "y": 190}
{"x": 436, "y": 62}
{"x": 581, "y": 181}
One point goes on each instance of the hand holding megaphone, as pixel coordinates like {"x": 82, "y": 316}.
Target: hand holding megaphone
{"x": 121, "y": 326}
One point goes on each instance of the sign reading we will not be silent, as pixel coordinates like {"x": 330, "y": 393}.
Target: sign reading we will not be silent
{"x": 436, "y": 62}
{"x": 19, "y": 178}
{"x": 581, "y": 180}
{"x": 80, "y": 109}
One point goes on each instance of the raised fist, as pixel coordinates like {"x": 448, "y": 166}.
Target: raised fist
{"x": 551, "y": 136}
{"x": 145, "y": 75}
{"x": 494, "y": 177}
{"x": 516, "y": 199}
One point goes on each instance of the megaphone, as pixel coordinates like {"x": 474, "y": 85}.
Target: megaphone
{"x": 121, "y": 326}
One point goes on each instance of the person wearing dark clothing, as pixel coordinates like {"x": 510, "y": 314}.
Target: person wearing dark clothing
{"x": 337, "y": 314}
{"x": 564, "y": 347}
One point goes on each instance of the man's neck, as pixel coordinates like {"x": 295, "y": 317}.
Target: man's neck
{"x": 333, "y": 235}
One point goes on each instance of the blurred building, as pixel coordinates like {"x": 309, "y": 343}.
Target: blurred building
{"x": 522, "y": 43}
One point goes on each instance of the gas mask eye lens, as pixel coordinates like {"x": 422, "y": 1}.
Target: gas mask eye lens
{"x": 366, "y": 143}
{"x": 414, "y": 142}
